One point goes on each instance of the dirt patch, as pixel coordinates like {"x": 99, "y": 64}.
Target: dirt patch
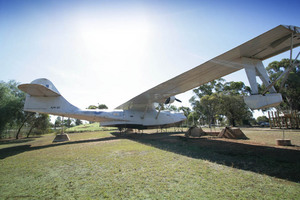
{"x": 249, "y": 142}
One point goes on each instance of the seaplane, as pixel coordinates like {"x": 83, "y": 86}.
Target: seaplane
{"x": 140, "y": 112}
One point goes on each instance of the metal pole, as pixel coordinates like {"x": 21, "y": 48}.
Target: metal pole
{"x": 291, "y": 51}
{"x": 62, "y": 131}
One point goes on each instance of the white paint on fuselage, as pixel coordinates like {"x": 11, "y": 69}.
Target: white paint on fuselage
{"x": 148, "y": 119}
{"x": 45, "y": 98}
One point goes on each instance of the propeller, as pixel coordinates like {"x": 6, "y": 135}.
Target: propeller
{"x": 171, "y": 100}
{"x": 178, "y": 100}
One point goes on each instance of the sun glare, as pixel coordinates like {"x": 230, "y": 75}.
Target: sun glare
{"x": 109, "y": 39}
{"x": 112, "y": 49}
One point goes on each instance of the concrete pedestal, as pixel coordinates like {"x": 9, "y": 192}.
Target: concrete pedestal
{"x": 284, "y": 142}
{"x": 61, "y": 138}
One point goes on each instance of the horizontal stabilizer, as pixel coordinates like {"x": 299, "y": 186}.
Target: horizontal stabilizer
{"x": 38, "y": 90}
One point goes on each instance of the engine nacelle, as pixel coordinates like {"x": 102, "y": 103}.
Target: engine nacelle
{"x": 170, "y": 100}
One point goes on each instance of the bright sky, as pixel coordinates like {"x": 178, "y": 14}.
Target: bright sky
{"x": 110, "y": 51}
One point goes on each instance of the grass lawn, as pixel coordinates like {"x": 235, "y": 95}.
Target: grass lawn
{"x": 87, "y": 128}
{"x": 105, "y": 165}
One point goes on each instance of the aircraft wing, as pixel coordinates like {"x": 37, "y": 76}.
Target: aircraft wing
{"x": 269, "y": 44}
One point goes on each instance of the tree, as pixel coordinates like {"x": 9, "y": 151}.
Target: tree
{"x": 209, "y": 105}
{"x": 193, "y": 118}
{"x": 78, "y": 122}
{"x": 57, "y": 122}
{"x": 11, "y": 110}
{"x": 41, "y": 122}
{"x": 172, "y": 108}
{"x": 291, "y": 88}
{"x": 217, "y": 99}
{"x": 209, "y": 88}
{"x": 235, "y": 109}
{"x": 27, "y": 117}
{"x": 236, "y": 88}
{"x": 11, "y": 105}
{"x": 68, "y": 122}
{"x": 262, "y": 119}
{"x": 92, "y": 107}
{"x": 232, "y": 104}
{"x": 205, "y": 100}
{"x": 185, "y": 110}
{"x": 100, "y": 106}
{"x": 160, "y": 106}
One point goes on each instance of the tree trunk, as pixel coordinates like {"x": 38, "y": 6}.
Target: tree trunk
{"x": 32, "y": 127}
{"x": 233, "y": 122}
{"x": 17, "y": 135}
{"x": 19, "y": 130}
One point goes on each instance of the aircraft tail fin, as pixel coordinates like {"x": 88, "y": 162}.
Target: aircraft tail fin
{"x": 40, "y": 88}
{"x": 43, "y": 97}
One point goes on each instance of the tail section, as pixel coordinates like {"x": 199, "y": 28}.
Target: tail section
{"x": 43, "y": 97}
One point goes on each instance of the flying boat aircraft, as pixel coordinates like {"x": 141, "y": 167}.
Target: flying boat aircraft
{"x": 140, "y": 113}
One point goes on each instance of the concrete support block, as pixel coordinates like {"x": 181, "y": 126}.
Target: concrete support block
{"x": 61, "y": 138}
{"x": 283, "y": 142}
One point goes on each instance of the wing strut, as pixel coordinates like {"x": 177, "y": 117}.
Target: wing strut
{"x": 255, "y": 67}
{"x": 292, "y": 65}
{"x": 146, "y": 109}
{"x": 284, "y": 74}
{"x": 160, "y": 107}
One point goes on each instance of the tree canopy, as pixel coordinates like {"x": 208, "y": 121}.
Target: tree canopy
{"x": 291, "y": 87}
{"x": 12, "y": 115}
{"x": 216, "y": 99}
{"x": 11, "y": 105}
{"x": 100, "y": 106}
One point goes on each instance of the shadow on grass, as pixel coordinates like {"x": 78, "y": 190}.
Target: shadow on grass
{"x": 16, "y": 141}
{"x": 11, "y": 151}
{"x": 276, "y": 162}
{"x": 272, "y": 161}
